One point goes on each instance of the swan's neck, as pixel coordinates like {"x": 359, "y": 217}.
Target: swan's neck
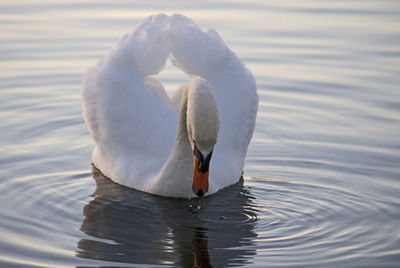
{"x": 176, "y": 174}
{"x": 198, "y": 124}
{"x": 182, "y": 142}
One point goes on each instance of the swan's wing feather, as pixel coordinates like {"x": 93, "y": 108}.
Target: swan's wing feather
{"x": 129, "y": 115}
{"x": 205, "y": 54}
{"x": 196, "y": 52}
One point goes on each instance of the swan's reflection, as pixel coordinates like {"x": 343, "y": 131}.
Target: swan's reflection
{"x": 129, "y": 226}
{"x": 201, "y": 256}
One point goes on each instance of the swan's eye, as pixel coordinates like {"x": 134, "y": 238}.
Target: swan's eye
{"x": 197, "y": 153}
{"x": 203, "y": 162}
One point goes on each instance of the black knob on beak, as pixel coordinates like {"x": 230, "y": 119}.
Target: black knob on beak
{"x": 200, "y": 192}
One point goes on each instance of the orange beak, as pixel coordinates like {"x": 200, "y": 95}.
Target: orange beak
{"x": 200, "y": 179}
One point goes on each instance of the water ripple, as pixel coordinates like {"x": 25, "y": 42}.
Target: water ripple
{"x": 308, "y": 219}
{"x": 327, "y": 133}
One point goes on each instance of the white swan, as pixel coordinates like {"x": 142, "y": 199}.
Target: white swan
{"x": 134, "y": 123}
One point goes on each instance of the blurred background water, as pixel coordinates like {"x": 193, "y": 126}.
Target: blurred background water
{"x": 322, "y": 178}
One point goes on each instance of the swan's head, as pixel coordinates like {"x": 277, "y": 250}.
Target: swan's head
{"x": 202, "y": 127}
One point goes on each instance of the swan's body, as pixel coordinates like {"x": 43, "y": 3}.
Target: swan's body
{"x": 134, "y": 123}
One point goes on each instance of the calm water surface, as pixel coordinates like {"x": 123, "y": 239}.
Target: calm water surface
{"x": 322, "y": 178}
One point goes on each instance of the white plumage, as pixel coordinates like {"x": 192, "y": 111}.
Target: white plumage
{"x": 134, "y": 123}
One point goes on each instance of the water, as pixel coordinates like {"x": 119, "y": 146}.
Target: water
{"x": 321, "y": 182}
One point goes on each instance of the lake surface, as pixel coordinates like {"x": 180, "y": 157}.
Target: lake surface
{"x": 321, "y": 182}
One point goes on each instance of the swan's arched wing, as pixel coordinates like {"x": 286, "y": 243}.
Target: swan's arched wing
{"x": 205, "y": 54}
{"x": 129, "y": 116}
